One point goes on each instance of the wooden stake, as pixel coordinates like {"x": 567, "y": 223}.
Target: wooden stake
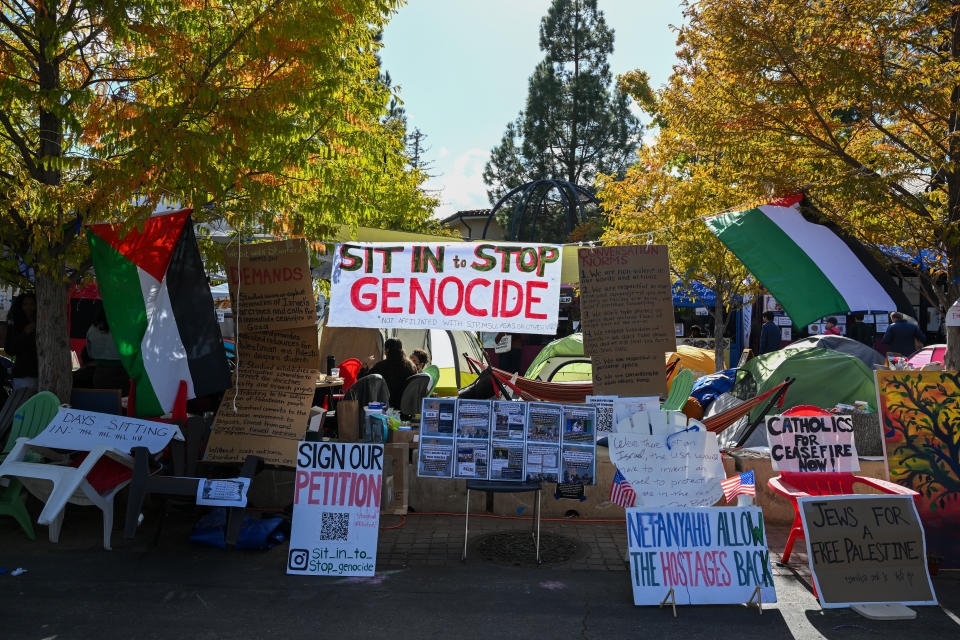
{"x": 673, "y": 601}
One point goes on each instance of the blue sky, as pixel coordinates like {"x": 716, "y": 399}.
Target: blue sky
{"x": 462, "y": 67}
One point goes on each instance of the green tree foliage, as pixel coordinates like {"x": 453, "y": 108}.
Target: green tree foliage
{"x": 263, "y": 114}
{"x": 576, "y": 125}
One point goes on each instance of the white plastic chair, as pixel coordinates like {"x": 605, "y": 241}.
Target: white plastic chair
{"x": 58, "y": 485}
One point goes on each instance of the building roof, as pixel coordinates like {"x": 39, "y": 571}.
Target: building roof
{"x": 467, "y": 213}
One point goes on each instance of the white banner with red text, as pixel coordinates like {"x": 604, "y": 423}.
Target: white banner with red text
{"x": 502, "y": 287}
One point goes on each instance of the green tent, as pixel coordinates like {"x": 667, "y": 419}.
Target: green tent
{"x": 561, "y": 359}
{"x": 823, "y": 378}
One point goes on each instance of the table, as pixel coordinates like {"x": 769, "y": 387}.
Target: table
{"x": 488, "y": 486}
{"x": 325, "y": 389}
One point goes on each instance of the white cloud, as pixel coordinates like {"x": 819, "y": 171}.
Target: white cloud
{"x": 444, "y": 152}
{"x": 462, "y": 185}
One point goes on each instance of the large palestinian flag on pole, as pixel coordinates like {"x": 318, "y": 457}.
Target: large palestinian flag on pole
{"x": 811, "y": 268}
{"x": 160, "y": 310}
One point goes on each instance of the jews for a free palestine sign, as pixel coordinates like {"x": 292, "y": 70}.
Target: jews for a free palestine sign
{"x": 513, "y": 288}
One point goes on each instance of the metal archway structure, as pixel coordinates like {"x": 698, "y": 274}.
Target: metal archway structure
{"x": 534, "y": 204}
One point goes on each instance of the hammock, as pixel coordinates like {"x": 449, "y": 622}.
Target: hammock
{"x": 540, "y": 391}
{"x": 722, "y": 420}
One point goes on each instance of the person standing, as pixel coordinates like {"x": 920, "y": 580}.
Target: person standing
{"x": 769, "y": 334}
{"x": 900, "y": 335}
{"x": 859, "y": 331}
{"x": 21, "y": 342}
{"x": 831, "y": 327}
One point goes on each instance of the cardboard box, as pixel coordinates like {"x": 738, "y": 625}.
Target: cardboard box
{"x": 405, "y": 436}
{"x": 400, "y": 500}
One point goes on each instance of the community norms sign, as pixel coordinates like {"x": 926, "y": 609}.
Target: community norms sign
{"x": 512, "y": 288}
{"x": 712, "y": 555}
{"x": 812, "y": 443}
{"x": 336, "y": 509}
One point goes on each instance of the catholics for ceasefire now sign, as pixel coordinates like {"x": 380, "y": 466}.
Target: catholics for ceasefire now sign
{"x": 513, "y": 288}
{"x": 812, "y": 443}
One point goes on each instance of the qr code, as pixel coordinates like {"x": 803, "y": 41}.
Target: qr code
{"x": 334, "y": 526}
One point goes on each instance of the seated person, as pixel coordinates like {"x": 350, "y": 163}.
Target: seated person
{"x": 395, "y": 369}
{"x": 420, "y": 358}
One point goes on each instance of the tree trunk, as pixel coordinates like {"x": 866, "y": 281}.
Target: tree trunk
{"x": 53, "y": 342}
{"x": 719, "y": 326}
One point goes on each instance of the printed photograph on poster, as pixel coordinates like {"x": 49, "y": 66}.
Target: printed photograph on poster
{"x": 473, "y": 419}
{"x": 508, "y": 420}
{"x": 436, "y": 458}
{"x": 542, "y": 462}
{"x": 579, "y": 424}
{"x": 437, "y": 416}
{"x": 336, "y": 509}
{"x": 678, "y": 329}
{"x": 506, "y": 461}
{"x": 604, "y": 407}
{"x": 472, "y": 460}
{"x": 815, "y": 329}
{"x": 578, "y": 464}
{"x": 786, "y": 333}
{"x": 223, "y": 493}
{"x": 544, "y": 422}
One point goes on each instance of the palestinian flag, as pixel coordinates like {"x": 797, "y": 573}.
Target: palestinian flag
{"x": 160, "y": 310}
{"x": 810, "y": 267}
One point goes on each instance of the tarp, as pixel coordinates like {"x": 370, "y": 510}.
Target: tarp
{"x": 700, "y": 361}
{"x": 862, "y": 352}
{"x": 707, "y": 388}
{"x": 823, "y": 378}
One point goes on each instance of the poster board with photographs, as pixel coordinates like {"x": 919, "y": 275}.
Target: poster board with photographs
{"x": 507, "y": 441}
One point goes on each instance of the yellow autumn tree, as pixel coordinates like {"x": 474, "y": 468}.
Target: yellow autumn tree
{"x": 859, "y": 100}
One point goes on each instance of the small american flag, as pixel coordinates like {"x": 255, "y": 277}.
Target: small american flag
{"x": 739, "y": 484}
{"x": 621, "y": 493}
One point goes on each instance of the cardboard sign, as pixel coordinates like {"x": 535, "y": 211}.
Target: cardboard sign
{"x": 336, "y": 509}
{"x": 507, "y": 441}
{"x": 277, "y": 354}
{"x": 270, "y": 286}
{"x": 812, "y": 443}
{"x": 688, "y": 473}
{"x": 707, "y": 556}
{"x": 297, "y": 348}
{"x": 78, "y": 430}
{"x": 626, "y": 306}
{"x": 512, "y": 288}
{"x": 273, "y": 405}
{"x": 866, "y": 549}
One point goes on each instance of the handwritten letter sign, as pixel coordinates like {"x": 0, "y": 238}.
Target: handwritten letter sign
{"x": 476, "y": 287}
{"x": 86, "y": 430}
{"x": 707, "y": 556}
{"x": 685, "y": 474}
{"x": 336, "y": 509}
{"x": 866, "y": 549}
{"x": 812, "y": 443}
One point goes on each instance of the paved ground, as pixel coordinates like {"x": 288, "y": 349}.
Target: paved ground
{"x": 165, "y": 587}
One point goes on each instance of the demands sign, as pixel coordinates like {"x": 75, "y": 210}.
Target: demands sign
{"x": 336, "y": 509}
{"x": 707, "y": 556}
{"x": 812, "y": 443}
{"x": 478, "y": 287}
{"x": 866, "y": 549}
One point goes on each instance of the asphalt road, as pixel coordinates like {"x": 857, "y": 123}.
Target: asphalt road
{"x": 183, "y": 591}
